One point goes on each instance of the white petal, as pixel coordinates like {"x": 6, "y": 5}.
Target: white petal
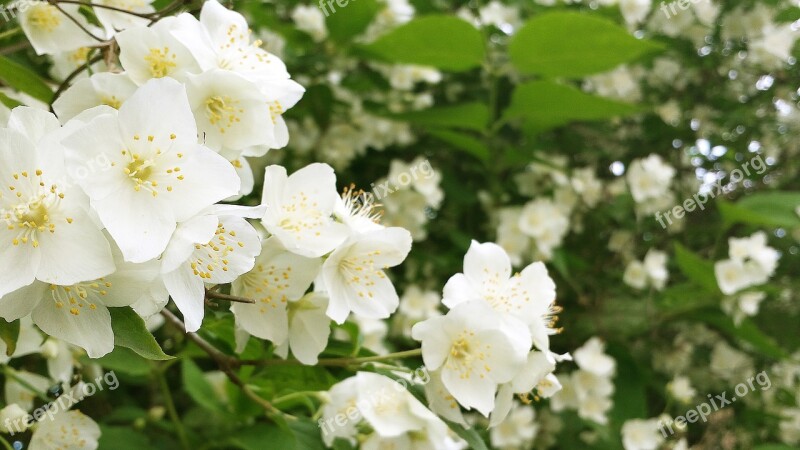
{"x": 310, "y": 328}
{"x": 188, "y": 293}
{"x": 21, "y": 302}
{"x": 86, "y": 327}
{"x": 69, "y": 430}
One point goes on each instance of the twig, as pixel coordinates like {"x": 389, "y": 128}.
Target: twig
{"x": 109, "y": 7}
{"x": 213, "y": 294}
{"x": 226, "y": 363}
{"x": 333, "y": 362}
{"x": 75, "y": 21}
{"x": 65, "y": 84}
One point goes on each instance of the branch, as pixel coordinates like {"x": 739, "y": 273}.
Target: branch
{"x": 111, "y": 8}
{"x": 212, "y": 294}
{"x": 75, "y": 21}
{"x": 65, "y": 84}
{"x": 332, "y": 362}
{"x": 226, "y": 363}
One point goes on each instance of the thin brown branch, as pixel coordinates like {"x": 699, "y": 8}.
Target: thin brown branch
{"x": 65, "y": 84}
{"x": 75, "y": 21}
{"x": 213, "y": 294}
{"x": 226, "y": 363}
{"x": 109, "y": 7}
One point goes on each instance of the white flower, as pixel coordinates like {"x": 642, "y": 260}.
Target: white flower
{"x": 279, "y": 277}
{"x": 342, "y": 398}
{"x": 354, "y": 277}
{"x": 114, "y": 21}
{"x": 638, "y": 434}
{"x": 311, "y": 20}
{"x": 635, "y": 275}
{"x": 591, "y": 357}
{"x": 153, "y": 52}
{"x": 506, "y": 18}
{"x": 649, "y": 178}
{"x": 106, "y": 88}
{"x": 546, "y": 223}
{"x": 299, "y": 209}
{"x": 681, "y": 388}
{"x": 51, "y": 31}
{"x": 214, "y": 247}
{"x": 47, "y": 228}
{"x": 13, "y": 415}
{"x": 230, "y": 111}
{"x": 70, "y": 430}
{"x": 78, "y": 313}
{"x": 527, "y": 297}
{"x": 158, "y": 172}
{"x": 536, "y": 375}
{"x": 733, "y": 276}
{"x": 474, "y": 351}
{"x": 634, "y": 11}
{"x": 754, "y": 249}
{"x": 309, "y": 328}
{"x": 417, "y": 305}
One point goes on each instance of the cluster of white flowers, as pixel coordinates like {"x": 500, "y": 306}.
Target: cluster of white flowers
{"x": 494, "y": 340}
{"x": 410, "y": 195}
{"x": 416, "y": 305}
{"x": 640, "y": 434}
{"x": 588, "y": 389}
{"x": 131, "y": 192}
{"x": 650, "y": 272}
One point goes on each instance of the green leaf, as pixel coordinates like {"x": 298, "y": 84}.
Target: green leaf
{"x": 474, "y": 440}
{"x": 571, "y": 44}
{"x": 445, "y": 42}
{"x": 131, "y": 332}
{"x": 122, "y": 438}
{"x": 299, "y": 435}
{"x": 198, "y": 387}
{"x": 24, "y": 80}
{"x": 473, "y": 116}
{"x": 774, "y": 208}
{"x": 747, "y": 331}
{"x": 344, "y": 24}
{"x": 545, "y": 104}
{"x": 9, "y": 102}
{"x": 126, "y": 361}
{"x": 463, "y": 142}
{"x": 9, "y": 333}
{"x": 630, "y": 399}
{"x": 696, "y": 269}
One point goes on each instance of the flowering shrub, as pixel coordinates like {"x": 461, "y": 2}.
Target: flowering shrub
{"x": 399, "y": 224}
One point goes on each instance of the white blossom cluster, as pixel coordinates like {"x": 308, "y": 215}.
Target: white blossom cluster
{"x": 589, "y": 389}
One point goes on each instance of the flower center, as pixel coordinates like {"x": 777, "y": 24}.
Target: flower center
{"x": 221, "y": 111}
{"x": 44, "y": 17}
{"x": 161, "y": 62}
{"x": 33, "y": 216}
{"x": 80, "y": 296}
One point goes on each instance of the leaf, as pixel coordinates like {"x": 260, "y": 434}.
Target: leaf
{"x": 24, "y": 80}
{"x": 131, "y": 332}
{"x": 474, "y": 440}
{"x": 473, "y": 116}
{"x": 696, "y": 269}
{"x": 198, "y": 387}
{"x": 9, "y": 102}
{"x": 9, "y": 333}
{"x": 545, "y": 104}
{"x": 774, "y": 208}
{"x": 299, "y": 435}
{"x": 126, "y": 361}
{"x": 122, "y": 438}
{"x": 630, "y": 399}
{"x": 463, "y": 142}
{"x": 571, "y": 44}
{"x": 445, "y": 42}
{"x": 352, "y": 21}
{"x": 747, "y": 331}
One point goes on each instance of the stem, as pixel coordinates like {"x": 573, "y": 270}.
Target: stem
{"x": 5, "y": 443}
{"x": 65, "y": 84}
{"x": 75, "y": 21}
{"x": 111, "y": 8}
{"x": 225, "y": 363}
{"x": 334, "y": 362}
{"x": 173, "y": 413}
{"x": 9, "y": 33}
{"x": 212, "y": 294}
